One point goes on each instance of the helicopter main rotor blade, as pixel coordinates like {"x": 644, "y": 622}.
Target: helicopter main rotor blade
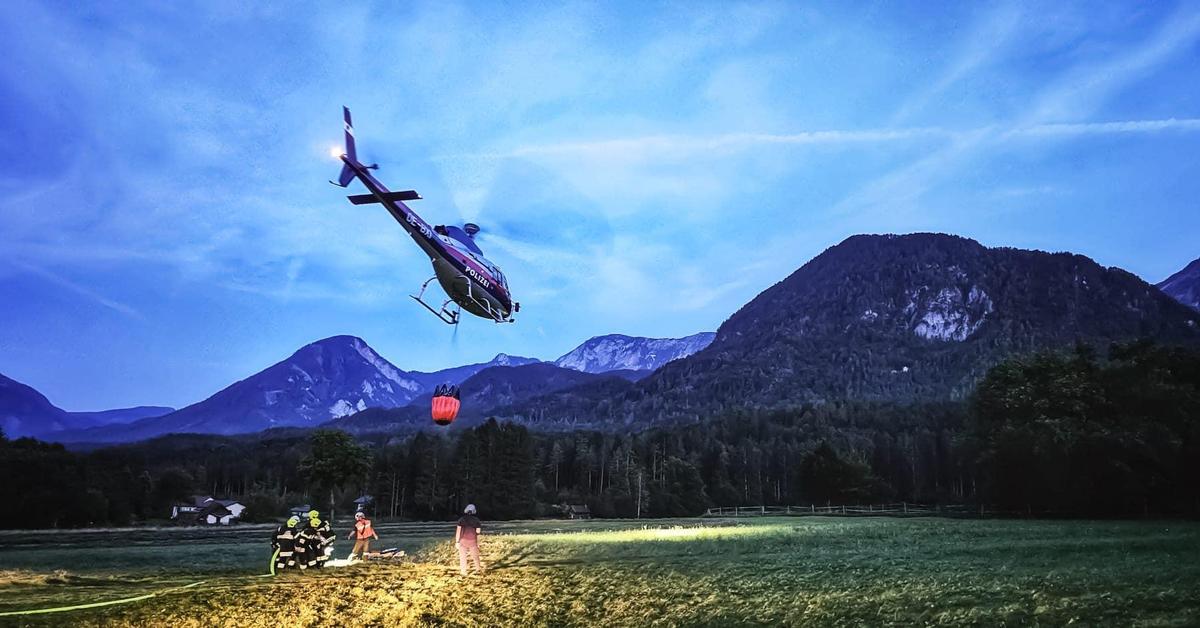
{"x": 367, "y": 199}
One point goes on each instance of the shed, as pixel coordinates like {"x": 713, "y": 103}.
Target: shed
{"x": 206, "y": 510}
{"x": 578, "y": 511}
{"x": 195, "y": 505}
{"x": 214, "y": 513}
{"x": 234, "y": 507}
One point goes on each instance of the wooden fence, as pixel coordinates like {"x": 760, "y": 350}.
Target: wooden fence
{"x": 900, "y": 509}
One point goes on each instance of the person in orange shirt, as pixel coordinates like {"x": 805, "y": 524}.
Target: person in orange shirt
{"x": 362, "y": 535}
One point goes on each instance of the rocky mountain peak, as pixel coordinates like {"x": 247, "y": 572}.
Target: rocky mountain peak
{"x": 1184, "y": 286}
{"x": 614, "y": 352}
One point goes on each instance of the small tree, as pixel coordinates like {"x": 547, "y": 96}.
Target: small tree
{"x": 336, "y": 460}
{"x": 173, "y": 484}
{"x": 827, "y": 477}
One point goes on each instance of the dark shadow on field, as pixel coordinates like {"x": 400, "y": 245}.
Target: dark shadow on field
{"x": 512, "y": 559}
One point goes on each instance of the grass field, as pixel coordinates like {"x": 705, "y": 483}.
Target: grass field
{"x": 804, "y": 570}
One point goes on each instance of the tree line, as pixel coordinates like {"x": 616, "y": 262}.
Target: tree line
{"x": 1072, "y": 433}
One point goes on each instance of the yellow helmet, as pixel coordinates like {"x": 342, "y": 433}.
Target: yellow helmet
{"x": 291, "y": 523}
{"x": 312, "y": 514}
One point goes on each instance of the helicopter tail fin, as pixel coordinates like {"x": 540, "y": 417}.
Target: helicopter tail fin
{"x": 350, "y": 150}
{"x": 351, "y": 154}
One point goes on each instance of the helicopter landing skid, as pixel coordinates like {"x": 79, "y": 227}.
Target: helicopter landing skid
{"x": 485, "y": 306}
{"x": 446, "y": 316}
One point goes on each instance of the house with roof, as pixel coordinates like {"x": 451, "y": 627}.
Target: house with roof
{"x": 205, "y": 510}
{"x": 577, "y": 511}
{"x": 191, "y": 508}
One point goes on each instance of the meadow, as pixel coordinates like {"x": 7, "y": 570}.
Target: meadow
{"x": 770, "y": 571}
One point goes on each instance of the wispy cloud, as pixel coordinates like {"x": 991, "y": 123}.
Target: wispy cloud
{"x": 667, "y": 148}
{"x": 685, "y": 146}
{"x": 1086, "y": 87}
{"x": 1108, "y": 128}
{"x": 81, "y": 290}
{"x": 986, "y": 42}
{"x": 1077, "y": 95}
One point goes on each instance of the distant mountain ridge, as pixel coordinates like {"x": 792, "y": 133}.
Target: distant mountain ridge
{"x": 26, "y": 412}
{"x": 617, "y": 352}
{"x": 123, "y": 415}
{"x": 490, "y": 388}
{"x": 458, "y": 374}
{"x": 1184, "y": 286}
{"x": 498, "y": 390}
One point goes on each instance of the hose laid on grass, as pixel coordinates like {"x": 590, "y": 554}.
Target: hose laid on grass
{"x": 60, "y": 609}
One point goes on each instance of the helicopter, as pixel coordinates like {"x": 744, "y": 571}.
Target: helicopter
{"x": 470, "y": 281}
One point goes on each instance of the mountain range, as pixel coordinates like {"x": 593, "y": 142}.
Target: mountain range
{"x": 888, "y": 318}
{"x": 341, "y": 376}
{"x": 320, "y": 382}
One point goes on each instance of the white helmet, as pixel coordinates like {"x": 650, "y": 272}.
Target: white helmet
{"x": 359, "y": 515}
{"x": 470, "y": 509}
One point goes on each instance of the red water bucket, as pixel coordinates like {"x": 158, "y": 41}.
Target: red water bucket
{"x": 445, "y": 408}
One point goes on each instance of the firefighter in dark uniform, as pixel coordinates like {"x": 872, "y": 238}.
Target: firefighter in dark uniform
{"x": 304, "y": 544}
{"x": 285, "y": 541}
{"x": 320, "y": 539}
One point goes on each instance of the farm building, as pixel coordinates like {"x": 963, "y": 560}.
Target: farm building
{"x": 300, "y": 511}
{"x": 578, "y": 511}
{"x": 198, "y": 502}
{"x": 206, "y": 510}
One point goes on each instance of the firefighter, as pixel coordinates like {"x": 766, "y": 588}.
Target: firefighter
{"x": 303, "y": 545}
{"x": 320, "y": 539}
{"x": 362, "y": 535}
{"x": 285, "y": 541}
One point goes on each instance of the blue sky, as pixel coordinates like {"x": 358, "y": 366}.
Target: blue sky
{"x": 166, "y": 227}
